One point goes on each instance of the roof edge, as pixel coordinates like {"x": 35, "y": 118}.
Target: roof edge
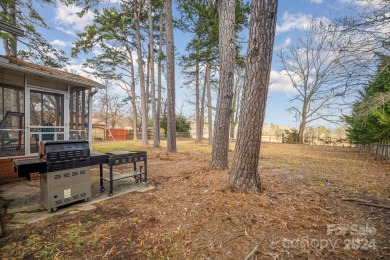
{"x": 24, "y": 69}
{"x": 11, "y": 28}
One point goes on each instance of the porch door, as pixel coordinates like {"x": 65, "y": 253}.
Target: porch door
{"x": 46, "y": 119}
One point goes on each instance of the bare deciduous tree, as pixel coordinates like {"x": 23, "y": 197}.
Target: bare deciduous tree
{"x": 109, "y": 105}
{"x": 368, "y": 23}
{"x": 319, "y": 71}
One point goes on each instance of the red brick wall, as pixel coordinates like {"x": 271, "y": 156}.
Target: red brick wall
{"x": 7, "y": 168}
{"x": 34, "y": 176}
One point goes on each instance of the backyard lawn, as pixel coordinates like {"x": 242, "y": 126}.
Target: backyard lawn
{"x": 318, "y": 202}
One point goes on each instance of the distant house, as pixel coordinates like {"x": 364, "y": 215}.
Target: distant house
{"x": 98, "y": 123}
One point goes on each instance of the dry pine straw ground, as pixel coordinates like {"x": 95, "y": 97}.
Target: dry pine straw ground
{"x": 194, "y": 214}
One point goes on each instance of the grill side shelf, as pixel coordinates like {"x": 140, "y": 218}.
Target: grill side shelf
{"x": 98, "y": 158}
{"x": 123, "y": 160}
{"x": 23, "y": 167}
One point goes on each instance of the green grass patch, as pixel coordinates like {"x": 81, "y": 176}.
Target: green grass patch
{"x": 105, "y": 147}
{"x": 47, "y": 252}
{"x": 130, "y": 145}
{"x": 320, "y": 183}
{"x": 32, "y": 240}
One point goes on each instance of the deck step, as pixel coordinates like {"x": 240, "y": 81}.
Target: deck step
{"x": 122, "y": 176}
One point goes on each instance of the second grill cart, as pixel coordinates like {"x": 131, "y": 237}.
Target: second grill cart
{"x": 138, "y": 172}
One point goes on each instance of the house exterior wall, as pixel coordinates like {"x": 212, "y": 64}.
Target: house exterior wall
{"x": 7, "y": 168}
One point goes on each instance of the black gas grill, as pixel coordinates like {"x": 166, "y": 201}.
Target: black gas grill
{"x": 65, "y": 174}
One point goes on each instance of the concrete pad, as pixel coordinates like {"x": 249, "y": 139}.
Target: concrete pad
{"x": 26, "y": 218}
{"x": 22, "y": 196}
{"x": 15, "y": 208}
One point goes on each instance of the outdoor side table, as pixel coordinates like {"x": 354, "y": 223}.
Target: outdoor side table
{"x": 115, "y": 158}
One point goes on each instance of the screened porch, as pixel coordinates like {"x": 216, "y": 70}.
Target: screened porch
{"x": 38, "y": 106}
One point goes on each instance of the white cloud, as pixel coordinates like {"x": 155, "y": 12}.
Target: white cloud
{"x": 316, "y": 1}
{"x": 280, "y": 82}
{"x": 293, "y": 21}
{"x": 298, "y": 21}
{"x": 60, "y": 43}
{"x": 64, "y": 30}
{"x": 80, "y": 70}
{"x": 68, "y": 20}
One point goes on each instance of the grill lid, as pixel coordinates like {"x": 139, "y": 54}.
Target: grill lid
{"x": 54, "y": 151}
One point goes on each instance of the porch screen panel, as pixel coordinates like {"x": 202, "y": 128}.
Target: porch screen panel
{"x": 11, "y": 121}
{"x": 46, "y": 109}
{"x": 78, "y": 113}
{"x": 46, "y": 118}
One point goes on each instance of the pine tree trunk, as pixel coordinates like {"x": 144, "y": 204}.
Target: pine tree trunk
{"x": 208, "y": 86}
{"x": 232, "y": 126}
{"x": 144, "y": 113}
{"x": 234, "y": 111}
{"x": 156, "y": 141}
{"x": 209, "y": 103}
{"x": 226, "y": 81}
{"x": 202, "y": 108}
{"x": 197, "y": 98}
{"x": 171, "y": 114}
{"x": 244, "y": 172}
{"x": 159, "y": 84}
{"x": 105, "y": 112}
{"x": 237, "y": 109}
{"x": 147, "y": 81}
{"x": 133, "y": 95}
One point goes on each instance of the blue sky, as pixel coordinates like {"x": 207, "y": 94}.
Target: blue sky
{"x": 293, "y": 17}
